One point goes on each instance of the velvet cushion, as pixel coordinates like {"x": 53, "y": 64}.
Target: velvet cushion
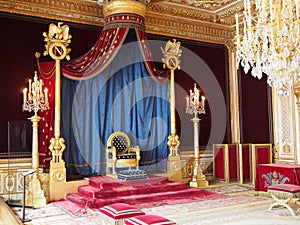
{"x": 120, "y": 211}
{"x": 133, "y": 174}
{"x": 291, "y": 188}
{"x": 148, "y": 219}
{"x": 284, "y": 191}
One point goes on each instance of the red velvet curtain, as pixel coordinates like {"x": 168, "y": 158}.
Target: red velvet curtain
{"x": 95, "y": 60}
{"x": 46, "y": 125}
{"x": 158, "y": 75}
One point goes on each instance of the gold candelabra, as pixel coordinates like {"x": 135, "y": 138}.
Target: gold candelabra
{"x": 196, "y": 106}
{"x": 270, "y": 42}
{"x": 35, "y": 99}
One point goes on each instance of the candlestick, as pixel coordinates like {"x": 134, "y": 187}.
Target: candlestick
{"x": 41, "y": 85}
{"x": 46, "y": 94}
{"x": 187, "y": 102}
{"x": 195, "y": 106}
{"x": 35, "y": 101}
{"x": 24, "y": 95}
{"x": 29, "y": 86}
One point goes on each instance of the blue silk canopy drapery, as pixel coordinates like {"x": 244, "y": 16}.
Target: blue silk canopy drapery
{"x": 113, "y": 87}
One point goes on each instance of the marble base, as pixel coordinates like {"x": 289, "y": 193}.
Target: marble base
{"x": 35, "y": 196}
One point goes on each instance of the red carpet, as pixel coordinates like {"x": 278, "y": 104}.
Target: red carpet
{"x": 141, "y": 193}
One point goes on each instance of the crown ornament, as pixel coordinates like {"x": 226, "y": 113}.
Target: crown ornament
{"x": 123, "y": 6}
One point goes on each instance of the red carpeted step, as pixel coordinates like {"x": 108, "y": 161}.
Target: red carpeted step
{"x": 87, "y": 191}
{"x": 133, "y": 190}
{"x": 86, "y": 202}
{"x": 103, "y": 182}
{"x": 103, "y": 191}
{"x": 78, "y": 199}
{"x": 107, "y": 191}
{"x": 160, "y": 196}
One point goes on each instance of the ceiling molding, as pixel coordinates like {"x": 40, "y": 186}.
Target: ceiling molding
{"x": 207, "y": 22}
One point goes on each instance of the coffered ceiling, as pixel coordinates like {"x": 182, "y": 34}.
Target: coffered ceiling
{"x": 203, "y": 20}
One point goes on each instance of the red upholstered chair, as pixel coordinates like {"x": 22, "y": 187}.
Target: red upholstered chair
{"x": 260, "y": 154}
{"x": 225, "y": 165}
{"x": 117, "y": 212}
{"x": 244, "y": 156}
{"x": 148, "y": 220}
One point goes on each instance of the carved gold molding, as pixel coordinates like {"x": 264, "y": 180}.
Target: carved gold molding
{"x": 179, "y": 20}
{"x": 86, "y": 12}
{"x": 176, "y": 28}
{"x": 13, "y": 161}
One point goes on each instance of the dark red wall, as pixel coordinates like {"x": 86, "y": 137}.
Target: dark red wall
{"x": 21, "y": 37}
{"x": 255, "y": 111}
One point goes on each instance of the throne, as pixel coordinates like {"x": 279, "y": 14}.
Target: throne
{"x": 119, "y": 154}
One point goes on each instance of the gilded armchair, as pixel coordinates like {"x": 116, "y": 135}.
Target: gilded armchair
{"x": 119, "y": 154}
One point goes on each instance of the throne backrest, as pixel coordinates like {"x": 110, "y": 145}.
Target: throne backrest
{"x": 120, "y": 141}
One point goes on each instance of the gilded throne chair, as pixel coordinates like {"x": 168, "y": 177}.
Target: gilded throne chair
{"x": 119, "y": 154}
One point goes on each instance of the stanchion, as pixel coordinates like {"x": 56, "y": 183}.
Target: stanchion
{"x": 25, "y": 174}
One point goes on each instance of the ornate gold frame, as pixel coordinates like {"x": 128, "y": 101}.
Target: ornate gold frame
{"x": 178, "y": 20}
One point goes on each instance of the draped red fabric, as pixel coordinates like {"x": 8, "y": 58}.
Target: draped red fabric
{"x": 158, "y": 75}
{"x": 46, "y": 125}
{"x": 99, "y": 56}
{"x": 91, "y": 64}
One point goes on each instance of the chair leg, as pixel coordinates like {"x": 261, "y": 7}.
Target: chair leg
{"x": 114, "y": 169}
{"x": 282, "y": 202}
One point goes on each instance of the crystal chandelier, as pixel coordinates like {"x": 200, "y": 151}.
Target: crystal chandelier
{"x": 270, "y": 42}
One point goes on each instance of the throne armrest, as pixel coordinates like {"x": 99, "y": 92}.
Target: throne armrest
{"x": 111, "y": 151}
{"x": 136, "y": 150}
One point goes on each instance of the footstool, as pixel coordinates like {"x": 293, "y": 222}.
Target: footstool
{"x": 148, "y": 220}
{"x": 133, "y": 174}
{"x": 117, "y": 212}
{"x": 284, "y": 194}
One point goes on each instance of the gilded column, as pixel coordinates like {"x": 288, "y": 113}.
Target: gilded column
{"x": 171, "y": 54}
{"x": 234, "y": 94}
{"x": 57, "y": 41}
